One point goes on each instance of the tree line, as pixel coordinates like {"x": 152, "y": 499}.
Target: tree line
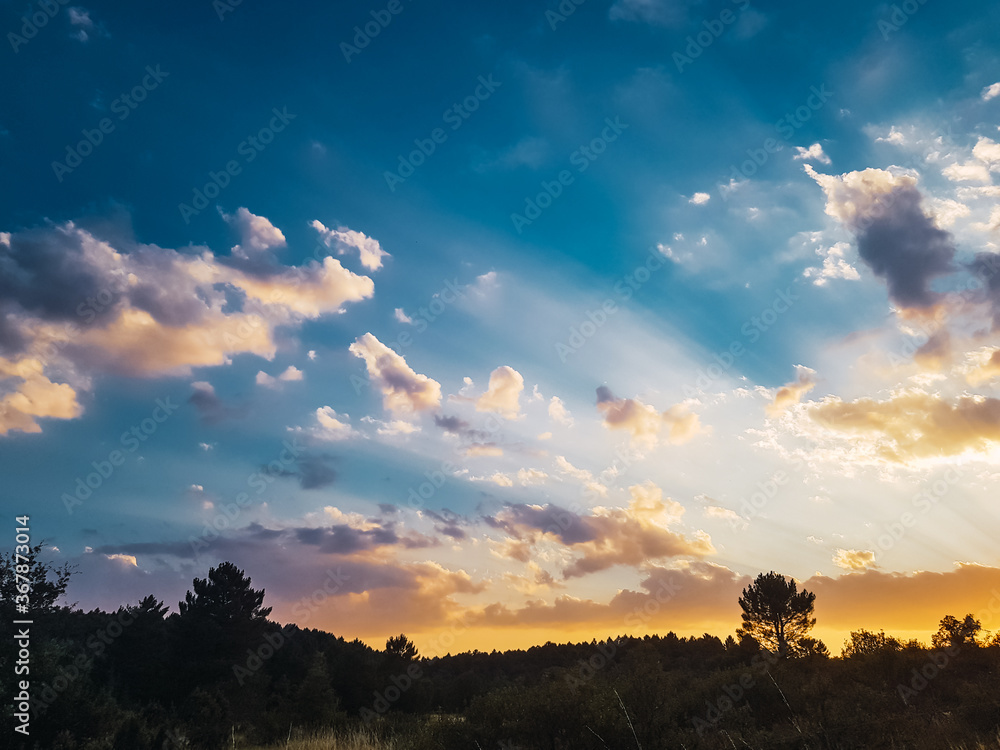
{"x": 220, "y": 673}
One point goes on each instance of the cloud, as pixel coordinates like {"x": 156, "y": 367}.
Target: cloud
{"x": 990, "y": 92}
{"x": 792, "y": 393}
{"x": 211, "y": 408}
{"x": 911, "y": 601}
{"x": 609, "y": 536}
{"x": 854, "y": 560}
{"x": 986, "y": 267}
{"x": 559, "y": 413}
{"x": 451, "y": 425}
{"x": 968, "y": 172}
{"x": 912, "y": 425}
{"x": 988, "y": 152}
{"x": 80, "y": 19}
{"x": 369, "y": 249}
{"x": 581, "y": 475}
{"x": 292, "y": 373}
{"x": 403, "y": 390}
{"x": 258, "y": 236}
{"x": 814, "y": 153}
{"x": 947, "y": 211}
{"x": 985, "y": 366}
{"x": 84, "y": 307}
{"x": 896, "y": 239}
{"x": 835, "y": 266}
{"x": 503, "y": 394}
{"x": 401, "y": 316}
{"x": 498, "y": 478}
{"x": 684, "y": 598}
{"x": 127, "y": 559}
{"x": 395, "y": 427}
{"x": 725, "y": 514}
{"x": 936, "y": 352}
{"x": 316, "y": 471}
{"x": 330, "y": 426}
{"x": 644, "y": 422}
{"x": 895, "y": 136}
{"x": 531, "y": 476}
{"x": 700, "y": 199}
{"x": 36, "y": 397}
{"x": 483, "y": 449}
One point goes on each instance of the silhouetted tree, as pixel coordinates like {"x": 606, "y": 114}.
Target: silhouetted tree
{"x": 46, "y": 582}
{"x": 219, "y": 623}
{"x": 955, "y": 632}
{"x": 225, "y": 597}
{"x": 776, "y": 614}
{"x": 402, "y": 648}
{"x": 140, "y": 653}
{"x": 864, "y": 643}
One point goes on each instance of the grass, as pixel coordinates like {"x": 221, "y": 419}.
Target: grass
{"x": 358, "y": 739}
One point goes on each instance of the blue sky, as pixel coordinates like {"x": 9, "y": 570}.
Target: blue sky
{"x": 811, "y": 189}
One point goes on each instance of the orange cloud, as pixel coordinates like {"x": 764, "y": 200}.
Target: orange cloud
{"x": 503, "y": 393}
{"x": 643, "y": 421}
{"x": 793, "y": 392}
{"x": 913, "y": 424}
{"x": 630, "y": 536}
{"x": 35, "y": 396}
{"x": 854, "y": 559}
{"x": 986, "y": 367}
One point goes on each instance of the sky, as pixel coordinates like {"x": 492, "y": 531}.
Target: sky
{"x": 502, "y": 324}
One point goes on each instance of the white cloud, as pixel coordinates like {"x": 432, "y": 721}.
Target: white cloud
{"x": 257, "y": 234}
{"x": 394, "y": 427}
{"x": 485, "y": 281}
{"x": 947, "y": 211}
{"x": 814, "y": 152}
{"x": 559, "y": 413}
{"x": 531, "y": 476}
{"x": 990, "y": 92}
{"x": 699, "y": 199}
{"x": 895, "y": 137}
{"x": 581, "y": 475}
{"x": 968, "y": 172}
{"x": 988, "y": 152}
{"x": 290, "y": 374}
{"x": 330, "y": 426}
{"x": 835, "y": 266}
{"x": 401, "y": 316}
{"x": 725, "y": 514}
{"x": 498, "y": 478}
{"x": 369, "y": 249}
